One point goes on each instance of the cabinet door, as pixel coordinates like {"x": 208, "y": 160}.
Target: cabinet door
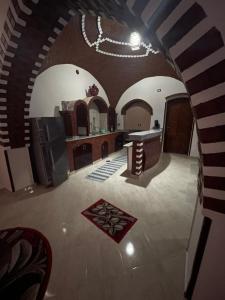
{"x": 82, "y": 156}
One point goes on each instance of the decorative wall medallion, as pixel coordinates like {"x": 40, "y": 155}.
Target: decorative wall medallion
{"x": 110, "y": 219}
{"x": 92, "y": 91}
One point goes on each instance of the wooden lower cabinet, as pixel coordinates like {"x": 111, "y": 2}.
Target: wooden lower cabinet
{"x": 82, "y": 156}
{"x": 152, "y": 152}
{"x": 85, "y": 151}
{"x": 105, "y": 149}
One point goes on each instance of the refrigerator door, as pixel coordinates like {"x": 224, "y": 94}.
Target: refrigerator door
{"x": 59, "y": 161}
{"x": 54, "y": 129}
{"x": 48, "y": 144}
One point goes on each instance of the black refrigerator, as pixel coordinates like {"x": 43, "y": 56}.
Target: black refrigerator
{"x": 48, "y": 147}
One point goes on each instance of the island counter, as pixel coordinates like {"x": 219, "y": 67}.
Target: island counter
{"x": 146, "y": 150}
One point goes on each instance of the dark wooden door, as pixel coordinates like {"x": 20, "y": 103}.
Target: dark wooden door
{"x": 178, "y": 126}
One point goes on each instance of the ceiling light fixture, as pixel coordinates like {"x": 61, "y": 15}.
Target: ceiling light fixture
{"x": 135, "y": 42}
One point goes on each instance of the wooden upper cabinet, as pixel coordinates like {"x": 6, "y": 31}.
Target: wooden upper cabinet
{"x": 76, "y": 121}
{"x": 69, "y": 118}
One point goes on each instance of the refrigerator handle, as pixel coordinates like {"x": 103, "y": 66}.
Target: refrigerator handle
{"x": 52, "y": 160}
{"x": 47, "y": 133}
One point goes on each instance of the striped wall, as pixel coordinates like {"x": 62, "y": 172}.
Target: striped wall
{"x": 25, "y": 41}
{"x": 185, "y": 33}
{"x": 196, "y": 47}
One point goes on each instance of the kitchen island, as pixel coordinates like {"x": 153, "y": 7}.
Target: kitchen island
{"x": 145, "y": 151}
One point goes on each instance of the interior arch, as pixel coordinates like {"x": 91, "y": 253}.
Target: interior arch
{"x": 201, "y": 71}
{"x": 100, "y": 102}
{"x": 179, "y": 28}
{"x": 60, "y": 83}
{"x": 136, "y": 101}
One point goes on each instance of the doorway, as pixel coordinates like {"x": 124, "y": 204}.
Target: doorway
{"x": 178, "y": 126}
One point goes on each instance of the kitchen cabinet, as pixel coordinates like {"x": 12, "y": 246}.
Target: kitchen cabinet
{"x": 82, "y": 156}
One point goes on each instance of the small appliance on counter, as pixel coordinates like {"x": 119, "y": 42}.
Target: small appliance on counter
{"x": 156, "y": 125}
{"x": 48, "y": 150}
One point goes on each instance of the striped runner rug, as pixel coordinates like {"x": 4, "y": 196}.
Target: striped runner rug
{"x": 108, "y": 169}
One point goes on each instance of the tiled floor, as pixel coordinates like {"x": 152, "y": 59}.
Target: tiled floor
{"x": 148, "y": 264}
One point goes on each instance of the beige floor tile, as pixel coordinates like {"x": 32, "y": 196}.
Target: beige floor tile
{"x": 148, "y": 264}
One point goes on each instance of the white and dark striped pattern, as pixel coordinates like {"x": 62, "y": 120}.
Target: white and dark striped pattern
{"x": 108, "y": 169}
{"x": 197, "y": 48}
{"x": 201, "y": 61}
{"x": 138, "y": 150}
{"x": 57, "y": 29}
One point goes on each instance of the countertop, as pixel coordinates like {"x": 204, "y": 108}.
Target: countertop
{"x": 127, "y": 145}
{"x": 144, "y": 135}
{"x": 78, "y": 138}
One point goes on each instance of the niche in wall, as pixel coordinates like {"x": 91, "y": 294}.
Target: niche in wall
{"x": 98, "y": 115}
{"x": 137, "y": 115}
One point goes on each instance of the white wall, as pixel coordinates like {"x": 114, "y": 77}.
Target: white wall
{"x": 20, "y": 166}
{"x": 61, "y": 83}
{"x": 194, "y": 145}
{"x": 146, "y": 89}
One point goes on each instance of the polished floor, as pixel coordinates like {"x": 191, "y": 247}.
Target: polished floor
{"x": 148, "y": 264}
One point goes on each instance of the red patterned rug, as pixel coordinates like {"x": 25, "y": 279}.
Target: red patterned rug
{"x": 110, "y": 219}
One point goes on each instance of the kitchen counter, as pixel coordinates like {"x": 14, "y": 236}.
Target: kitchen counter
{"x": 144, "y": 135}
{"x": 129, "y": 147}
{"x": 78, "y": 138}
{"x": 83, "y": 150}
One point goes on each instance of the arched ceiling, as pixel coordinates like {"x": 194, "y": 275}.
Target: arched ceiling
{"x": 114, "y": 73}
{"x": 186, "y": 33}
